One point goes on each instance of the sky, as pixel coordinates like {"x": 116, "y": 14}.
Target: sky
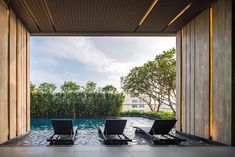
{"x": 100, "y": 59}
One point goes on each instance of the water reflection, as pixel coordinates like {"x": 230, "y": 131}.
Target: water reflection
{"x": 41, "y": 129}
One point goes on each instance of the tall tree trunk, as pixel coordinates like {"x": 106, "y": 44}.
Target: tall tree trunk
{"x": 158, "y": 107}
{"x": 170, "y": 103}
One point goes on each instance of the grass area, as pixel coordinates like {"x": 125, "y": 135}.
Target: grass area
{"x": 158, "y": 115}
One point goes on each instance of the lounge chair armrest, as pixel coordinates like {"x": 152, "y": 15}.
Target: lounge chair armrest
{"x": 51, "y": 137}
{"x": 101, "y": 133}
{"x": 76, "y": 130}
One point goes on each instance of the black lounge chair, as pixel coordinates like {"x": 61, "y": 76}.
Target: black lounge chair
{"x": 63, "y": 132}
{"x": 159, "y": 133}
{"x": 112, "y": 133}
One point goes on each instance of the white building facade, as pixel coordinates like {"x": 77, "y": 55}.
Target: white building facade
{"x": 136, "y": 104}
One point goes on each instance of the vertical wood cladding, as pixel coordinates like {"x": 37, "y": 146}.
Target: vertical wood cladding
{"x": 3, "y": 74}
{"x": 233, "y": 73}
{"x": 222, "y": 72}
{"x": 195, "y": 75}
{"x": 195, "y": 88}
{"x": 28, "y": 81}
{"x": 202, "y": 74}
{"x": 192, "y": 80}
{"x": 14, "y": 77}
{"x": 19, "y": 78}
{"x": 178, "y": 79}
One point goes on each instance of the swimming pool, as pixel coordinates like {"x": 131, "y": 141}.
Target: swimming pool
{"x": 41, "y": 129}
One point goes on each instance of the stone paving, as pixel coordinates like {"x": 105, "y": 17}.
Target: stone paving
{"x": 121, "y": 151}
{"x": 85, "y": 137}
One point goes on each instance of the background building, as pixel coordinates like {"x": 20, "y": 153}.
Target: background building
{"x": 137, "y": 104}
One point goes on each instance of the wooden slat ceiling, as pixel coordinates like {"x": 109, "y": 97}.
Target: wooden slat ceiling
{"x": 104, "y": 17}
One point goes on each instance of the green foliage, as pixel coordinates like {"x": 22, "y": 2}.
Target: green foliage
{"x": 70, "y": 87}
{"x": 48, "y": 88}
{"x": 33, "y": 88}
{"x": 90, "y": 87}
{"x": 155, "y": 81}
{"x": 158, "y": 115}
{"x": 109, "y": 89}
{"x": 76, "y": 104}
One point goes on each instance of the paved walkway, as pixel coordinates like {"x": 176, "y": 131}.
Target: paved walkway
{"x": 122, "y": 151}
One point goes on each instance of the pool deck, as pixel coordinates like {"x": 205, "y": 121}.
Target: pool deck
{"x": 118, "y": 151}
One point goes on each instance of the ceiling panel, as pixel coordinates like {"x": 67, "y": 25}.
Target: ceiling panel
{"x": 40, "y": 14}
{"x": 197, "y": 7}
{"x": 163, "y": 12}
{"x": 104, "y": 17}
{"x": 97, "y": 15}
{"x": 24, "y": 15}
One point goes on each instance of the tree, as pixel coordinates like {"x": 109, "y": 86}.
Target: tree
{"x": 154, "y": 82}
{"x": 33, "y": 88}
{"x": 167, "y": 65}
{"x": 90, "y": 87}
{"x": 70, "y": 87}
{"x": 138, "y": 84}
{"x": 48, "y": 88}
{"x": 109, "y": 89}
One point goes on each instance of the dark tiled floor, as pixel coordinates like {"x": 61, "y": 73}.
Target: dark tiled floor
{"x": 88, "y": 138}
{"x": 124, "y": 151}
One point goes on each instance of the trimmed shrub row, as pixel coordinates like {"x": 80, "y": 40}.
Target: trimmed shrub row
{"x": 76, "y": 104}
{"x": 158, "y": 115}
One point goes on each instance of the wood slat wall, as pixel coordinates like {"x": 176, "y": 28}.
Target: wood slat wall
{"x": 19, "y": 79}
{"x": 3, "y": 74}
{"x": 28, "y": 82}
{"x": 202, "y": 74}
{"x": 178, "y": 80}
{"x": 14, "y": 77}
{"x": 222, "y": 72}
{"x": 194, "y": 75}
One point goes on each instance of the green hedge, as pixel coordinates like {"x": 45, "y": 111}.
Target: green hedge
{"x": 159, "y": 115}
{"x": 78, "y": 104}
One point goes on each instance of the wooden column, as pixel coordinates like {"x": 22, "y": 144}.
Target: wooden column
{"x": 28, "y": 81}
{"x": 202, "y": 74}
{"x": 178, "y": 80}
{"x": 4, "y": 123}
{"x": 12, "y": 76}
{"x": 233, "y": 73}
{"x": 222, "y": 72}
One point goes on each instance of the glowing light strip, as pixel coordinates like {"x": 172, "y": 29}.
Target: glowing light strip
{"x": 147, "y": 13}
{"x": 211, "y": 77}
{"x": 186, "y": 8}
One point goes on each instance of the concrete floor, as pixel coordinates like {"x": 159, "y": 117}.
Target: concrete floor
{"x": 115, "y": 151}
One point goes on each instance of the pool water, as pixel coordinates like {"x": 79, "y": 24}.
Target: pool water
{"x": 41, "y": 129}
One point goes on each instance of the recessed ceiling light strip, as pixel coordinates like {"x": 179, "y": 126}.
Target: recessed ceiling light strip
{"x": 146, "y": 14}
{"x": 186, "y": 8}
{"x": 148, "y": 11}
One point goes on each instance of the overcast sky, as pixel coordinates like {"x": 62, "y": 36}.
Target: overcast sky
{"x": 100, "y": 59}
